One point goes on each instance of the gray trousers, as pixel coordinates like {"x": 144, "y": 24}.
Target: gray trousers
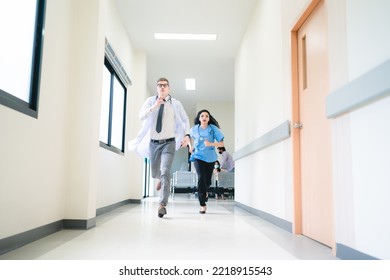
{"x": 161, "y": 159}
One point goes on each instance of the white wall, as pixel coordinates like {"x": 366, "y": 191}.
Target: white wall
{"x": 362, "y": 154}
{"x": 358, "y": 41}
{"x": 52, "y": 168}
{"x": 262, "y": 95}
{"x": 34, "y": 152}
{"x": 120, "y": 177}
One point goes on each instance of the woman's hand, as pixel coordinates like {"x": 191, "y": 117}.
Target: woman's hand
{"x": 207, "y": 143}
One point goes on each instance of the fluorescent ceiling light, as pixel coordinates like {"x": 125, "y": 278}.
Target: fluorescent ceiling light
{"x": 179, "y": 36}
{"x": 190, "y": 84}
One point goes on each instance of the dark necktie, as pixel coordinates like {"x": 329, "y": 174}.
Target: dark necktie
{"x": 159, "y": 118}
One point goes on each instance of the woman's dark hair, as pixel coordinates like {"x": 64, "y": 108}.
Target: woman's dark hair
{"x": 221, "y": 148}
{"x": 212, "y": 120}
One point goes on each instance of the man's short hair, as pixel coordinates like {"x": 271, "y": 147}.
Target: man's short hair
{"x": 162, "y": 79}
{"x": 222, "y": 148}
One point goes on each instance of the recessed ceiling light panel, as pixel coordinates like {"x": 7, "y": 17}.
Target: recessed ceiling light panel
{"x": 190, "y": 84}
{"x": 182, "y": 36}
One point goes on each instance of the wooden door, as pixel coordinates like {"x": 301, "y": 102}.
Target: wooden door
{"x": 315, "y": 132}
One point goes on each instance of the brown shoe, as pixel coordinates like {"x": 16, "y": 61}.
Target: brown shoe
{"x": 158, "y": 187}
{"x": 162, "y": 211}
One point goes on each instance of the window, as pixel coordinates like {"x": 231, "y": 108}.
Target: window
{"x": 113, "y": 110}
{"x": 21, "y": 30}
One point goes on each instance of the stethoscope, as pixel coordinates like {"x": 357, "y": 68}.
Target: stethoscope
{"x": 168, "y": 98}
{"x": 202, "y": 137}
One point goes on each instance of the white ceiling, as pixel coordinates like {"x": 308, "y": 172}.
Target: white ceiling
{"x": 211, "y": 63}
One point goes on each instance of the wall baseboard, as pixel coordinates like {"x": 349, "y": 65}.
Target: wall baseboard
{"x": 78, "y": 224}
{"x": 18, "y": 240}
{"x": 109, "y": 208}
{"x": 346, "y": 253}
{"x": 342, "y": 252}
{"x": 286, "y": 225}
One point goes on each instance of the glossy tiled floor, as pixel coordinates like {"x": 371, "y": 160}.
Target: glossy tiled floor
{"x": 134, "y": 232}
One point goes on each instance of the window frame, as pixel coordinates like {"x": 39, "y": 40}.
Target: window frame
{"x": 7, "y": 99}
{"x": 108, "y": 145}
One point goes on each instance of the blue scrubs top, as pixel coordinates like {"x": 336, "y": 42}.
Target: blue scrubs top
{"x": 201, "y": 152}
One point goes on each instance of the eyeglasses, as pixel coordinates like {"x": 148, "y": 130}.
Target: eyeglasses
{"x": 163, "y": 85}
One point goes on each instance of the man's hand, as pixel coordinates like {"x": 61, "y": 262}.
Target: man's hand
{"x": 186, "y": 141}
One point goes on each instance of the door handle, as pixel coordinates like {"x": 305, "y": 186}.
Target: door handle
{"x": 297, "y": 125}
